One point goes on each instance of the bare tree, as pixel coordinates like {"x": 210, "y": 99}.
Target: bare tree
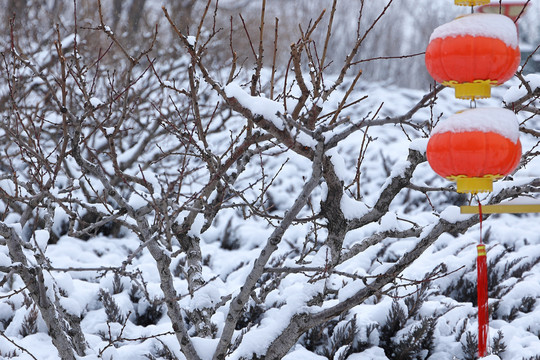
{"x": 99, "y": 138}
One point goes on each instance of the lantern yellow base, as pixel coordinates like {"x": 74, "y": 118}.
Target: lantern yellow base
{"x": 474, "y": 185}
{"x": 471, "y": 2}
{"x": 479, "y": 89}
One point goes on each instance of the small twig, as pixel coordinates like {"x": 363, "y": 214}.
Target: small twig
{"x": 328, "y": 33}
{"x": 529, "y": 57}
{"x": 82, "y": 269}
{"x": 366, "y": 140}
{"x": 321, "y": 117}
{"x": 378, "y": 237}
{"x": 15, "y": 292}
{"x": 435, "y": 275}
{"x": 311, "y": 29}
{"x": 199, "y": 28}
{"x": 259, "y": 58}
{"x": 522, "y": 11}
{"x": 233, "y": 54}
{"x": 17, "y": 345}
{"x": 248, "y": 37}
{"x": 525, "y": 83}
{"x": 107, "y": 30}
{"x": 353, "y": 52}
{"x": 425, "y": 189}
{"x": 345, "y": 97}
{"x": 194, "y": 87}
{"x": 118, "y": 338}
{"x": 273, "y": 73}
{"x": 388, "y": 58}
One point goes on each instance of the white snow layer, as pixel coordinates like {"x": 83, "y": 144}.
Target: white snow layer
{"x": 500, "y": 121}
{"x": 351, "y": 208}
{"x": 487, "y": 25}
{"x": 516, "y": 92}
{"x": 95, "y": 102}
{"x": 257, "y": 105}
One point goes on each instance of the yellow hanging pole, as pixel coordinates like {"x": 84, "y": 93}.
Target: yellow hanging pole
{"x": 502, "y": 209}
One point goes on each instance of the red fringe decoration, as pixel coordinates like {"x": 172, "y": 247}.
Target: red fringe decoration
{"x": 483, "y": 311}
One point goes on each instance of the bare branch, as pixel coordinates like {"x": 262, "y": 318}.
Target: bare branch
{"x": 36, "y": 287}
{"x": 238, "y": 302}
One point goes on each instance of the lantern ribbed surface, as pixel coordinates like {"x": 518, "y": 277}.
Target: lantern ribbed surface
{"x": 473, "y": 53}
{"x": 472, "y": 154}
{"x": 465, "y": 59}
{"x": 475, "y": 147}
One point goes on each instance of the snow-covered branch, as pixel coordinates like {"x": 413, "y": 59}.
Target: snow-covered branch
{"x": 33, "y": 279}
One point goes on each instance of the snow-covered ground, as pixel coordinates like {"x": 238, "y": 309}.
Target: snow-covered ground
{"x": 513, "y": 243}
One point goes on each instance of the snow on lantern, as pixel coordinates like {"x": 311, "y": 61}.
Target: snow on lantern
{"x": 474, "y": 147}
{"x": 473, "y": 53}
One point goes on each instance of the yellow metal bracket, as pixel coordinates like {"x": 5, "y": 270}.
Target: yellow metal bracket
{"x": 502, "y": 209}
{"x": 471, "y": 2}
{"x": 477, "y": 89}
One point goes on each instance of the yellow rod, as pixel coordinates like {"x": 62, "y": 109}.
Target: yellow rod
{"x": 502, "y": 209}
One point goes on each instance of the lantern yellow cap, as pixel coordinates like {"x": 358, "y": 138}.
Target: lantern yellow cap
{"x": 471, "y": 2}
{"x": 474, "y": 185}
{"x": 479, "y": 89}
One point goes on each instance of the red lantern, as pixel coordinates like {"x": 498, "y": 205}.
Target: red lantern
{"x": 473, "y": 53}
{"x": 474, "y": 147}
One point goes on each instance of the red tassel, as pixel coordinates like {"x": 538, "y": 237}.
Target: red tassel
{"x": 483, "y": 311}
